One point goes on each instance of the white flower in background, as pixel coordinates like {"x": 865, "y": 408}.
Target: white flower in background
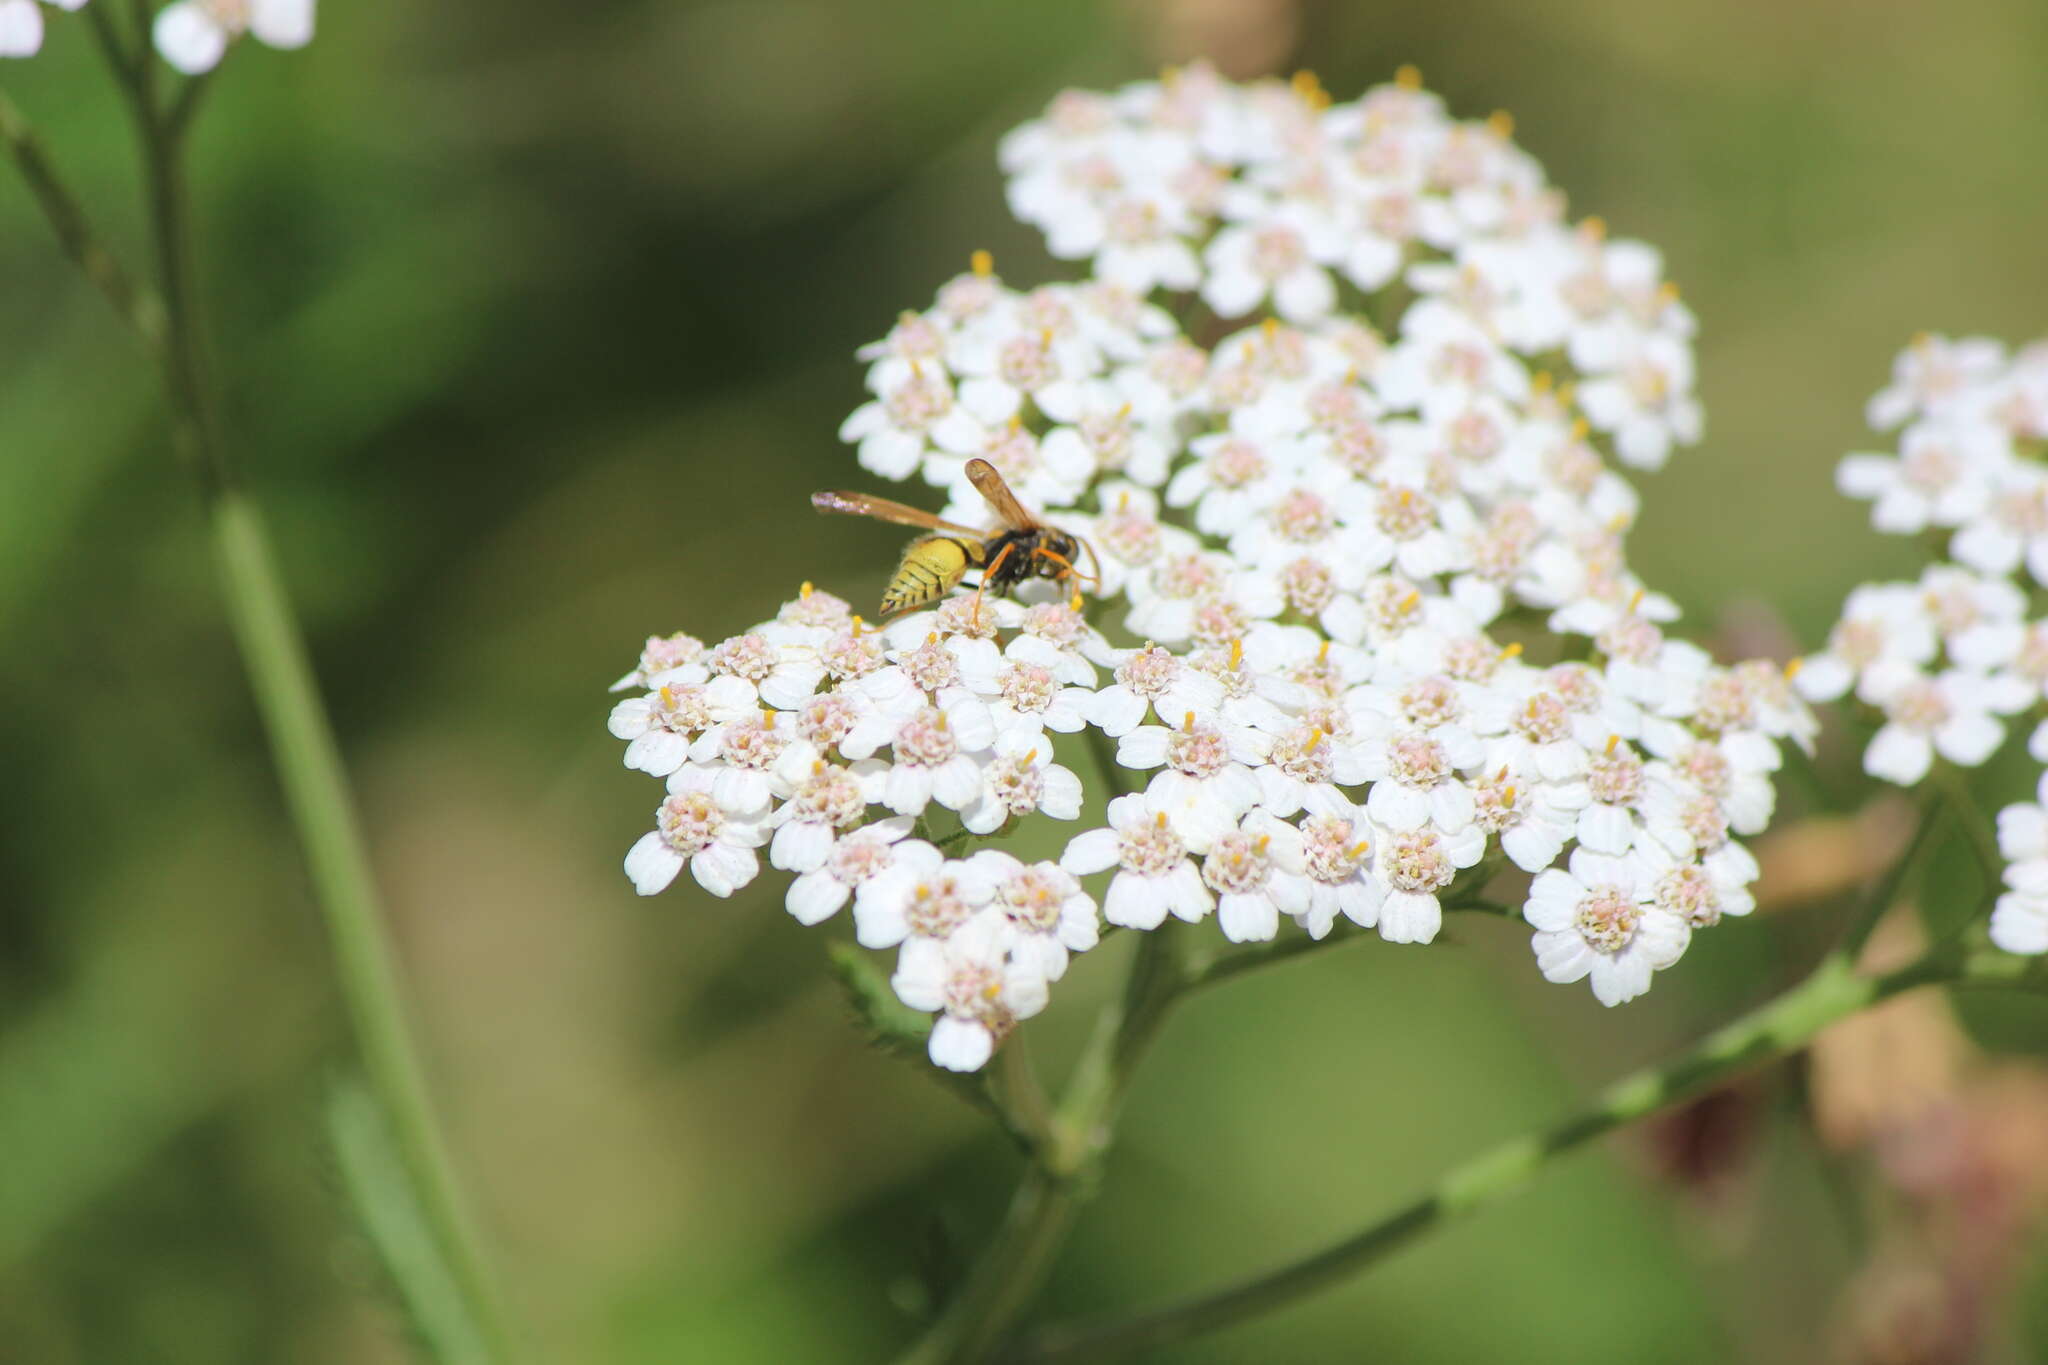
{"x": 1885, "y": 638}
{"x": 1935, "y": 376}
{"x": 193, "y": 35}
{"x": 21, "y": 25}
{"x": 1954, "y": 714}
{"x": 1942, "y": 476}
{"x": 970, "y": 981}
{"x": 2019, "y": 923}
{"x": 1599, "y": 919}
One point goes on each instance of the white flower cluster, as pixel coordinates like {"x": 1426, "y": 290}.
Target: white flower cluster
{"x": 1377, "y": 636}
{"x": 192, "y": 35}
{"x": 1270, "y": 194}
{"x": 1946, "y": 659}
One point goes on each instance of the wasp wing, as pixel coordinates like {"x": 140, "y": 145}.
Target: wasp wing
{"x": 1009, "y": 512}
{"x": 882, "y": 509}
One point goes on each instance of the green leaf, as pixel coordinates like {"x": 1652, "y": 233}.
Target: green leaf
{"x": 375, "y": 1177}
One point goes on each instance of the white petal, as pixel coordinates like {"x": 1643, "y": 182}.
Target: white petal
{"x": 21, "y": 28}
{"x": 652, "y": 864}
{"x": 189, "y": 39}
{"x": 815, "y": 897}
{"x": 282, "y": 23}
{"x": 961, "y": 1044}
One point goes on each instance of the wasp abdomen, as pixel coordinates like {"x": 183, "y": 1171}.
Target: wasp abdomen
{"x": 931, "y": 567}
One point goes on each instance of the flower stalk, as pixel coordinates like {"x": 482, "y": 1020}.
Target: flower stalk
{"x": 270, "y": 641}
{"x": 1776, "y": 1030}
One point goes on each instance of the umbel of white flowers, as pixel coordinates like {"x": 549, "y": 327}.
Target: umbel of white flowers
{"x": 1316, "y": 534}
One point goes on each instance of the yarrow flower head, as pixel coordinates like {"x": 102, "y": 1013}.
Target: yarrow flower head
{"x": 1302, "y": 533}
{"x": 1940, "y": 665}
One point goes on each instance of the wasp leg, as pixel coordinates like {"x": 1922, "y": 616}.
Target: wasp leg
{"x": 987, "y": 575}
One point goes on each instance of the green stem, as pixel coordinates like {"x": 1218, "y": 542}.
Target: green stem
{"x": 1064, "y": 1170}
{"x": 273, "y": 649}
{"x": 316, "y": 790}
{"x": 137, "y": 304}
{"x": 1884, "y": 893}
{"x": 1777, "y": 1029}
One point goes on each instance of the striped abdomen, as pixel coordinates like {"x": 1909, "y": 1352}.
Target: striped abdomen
{"x": 931, "y": 567}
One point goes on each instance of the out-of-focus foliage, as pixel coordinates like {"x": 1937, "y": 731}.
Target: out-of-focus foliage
{"x": 536, "y": 325}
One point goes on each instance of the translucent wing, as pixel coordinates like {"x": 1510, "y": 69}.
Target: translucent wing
{"x": 881, "y": 509}
{"x": 1009, "y": 512}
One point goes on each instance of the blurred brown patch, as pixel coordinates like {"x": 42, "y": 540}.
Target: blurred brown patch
{"x": 1241, "y": 38}
{"x": 1825, "y": 856}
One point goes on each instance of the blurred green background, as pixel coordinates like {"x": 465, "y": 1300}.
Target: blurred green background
{"x": 536, "y": 324}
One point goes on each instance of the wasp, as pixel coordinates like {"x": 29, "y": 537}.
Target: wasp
{"x": 1019, "y": 546}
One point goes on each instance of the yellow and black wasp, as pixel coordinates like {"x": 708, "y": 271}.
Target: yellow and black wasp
{"x": 1017, "y": 548}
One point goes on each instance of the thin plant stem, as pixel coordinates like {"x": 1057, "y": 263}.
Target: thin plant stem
{"x": 1884, "y": 892}
{"x": 1785, "y": 1025}
{"x": 273, "y": 648}
{"x": 136, "y": 303}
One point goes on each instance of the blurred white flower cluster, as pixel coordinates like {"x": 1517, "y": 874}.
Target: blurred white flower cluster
{"x": 192, "y": 35}
{"x": 1947, "y": 659}
{"x": 1364, "y": 634}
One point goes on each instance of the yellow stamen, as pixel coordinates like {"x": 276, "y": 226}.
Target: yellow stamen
{"x": 1237, "y": 652}
{"x": 1361, "y": 848}
{"x": 1323, "y": 652}
{"x": 1792, "y": 667}
{"x": 1667, "y": 292}
{"x": 1409, "y": 77}
{"x": 767, "y": 719}
{"x": 1612, "y": 742}
{"x": 1594, "y": 227}
{"x": 1542, "y": 381}
{"x": 1565, "y": 392}
{"x": 982, "y": 264}
{"x": 817, "y": 766}
{"x": 1412, "y": 600}
{"x": 992, "y": 990}
{"x": 1501, "y": 124}
{"x": 1160, "y": 820}
{"x": 931, "y": 638}
{"x": 806, "y": 590}
{"x": 857, "y": 625}
{"x": 1271, "y": 327}
{"x": 1507, "y": 795}
{"x": 1187, "y": 720}
{"x": 1637, "y": 600}
{"x": 1074, "y": 602}
{"x": 1513, "y": 651}
{"x": 668, "y": 696}
{"x": 1580, "y": 428}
